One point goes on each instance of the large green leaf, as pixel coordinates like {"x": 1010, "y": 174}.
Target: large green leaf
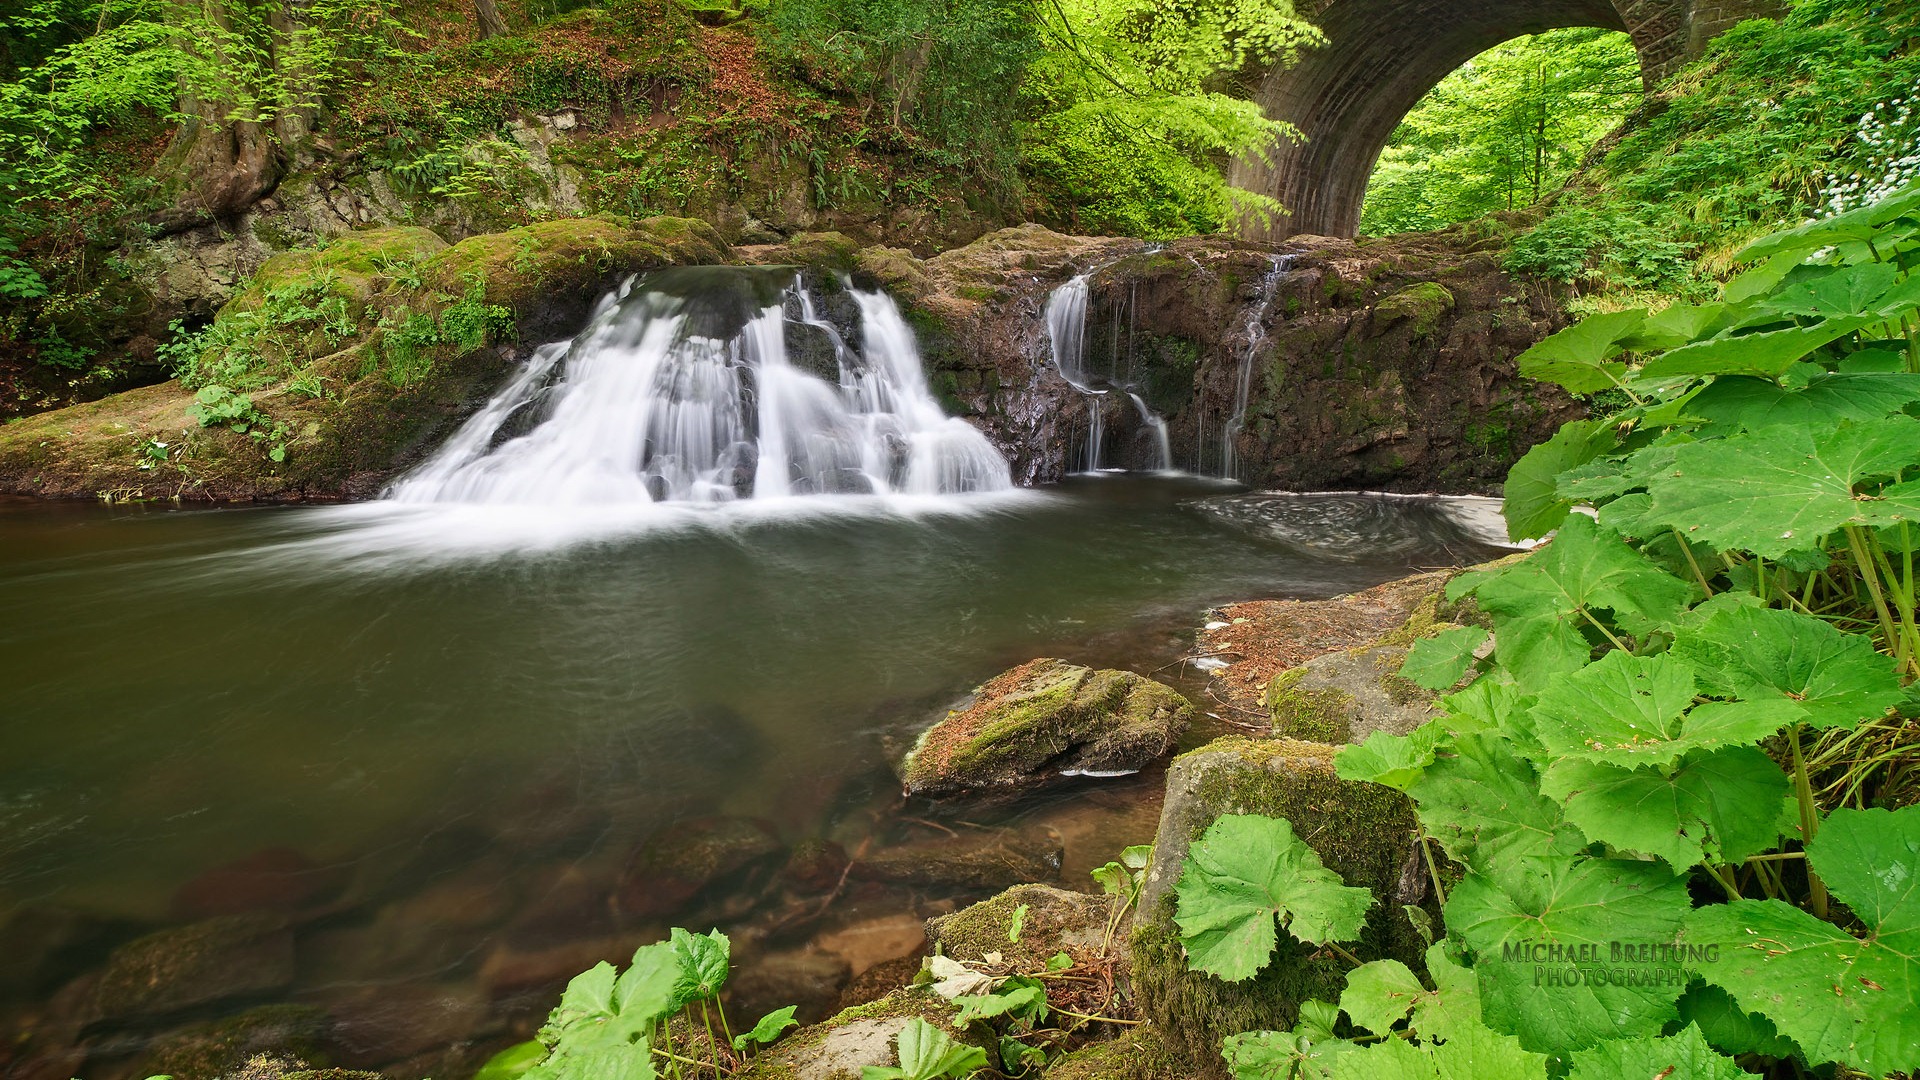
{"x": 1391, "y": 760}
{"x": 1737, "y": 401}
{"x": 1862, "y": 224}
{"x": 1380, "y": 994}
{"x": 1578, "y": 357}
{"x": 1841, "y": 997}
{"x": 1633, "y": 711}
{"x": 1785, "y": 489}
{"x": 1241, "y": 875}
{"x": 1438, "y": 662}
{"x": 1679, "y": 324}
{"x": 1829, "y": 291}
{"x": 1768, "y": 353}
{"x": 1730, "y": 1028}
{"x": 1474, "y": 1053}
{"x": 1515, "y": 919}
{"x": 1685, "y": 1056}
{"x": 1537, "y": 602}
{"x": 644, "y": 992}
{"x": 1534, "y": 505}
{"x": 1722, "y": 805}
{"x": 703, "y": 961}
{"x": 1284, "y": 1055}
{"x": 927, "y": 1053}
{"x": 1741, "y": 649}
{"x": 1483, "y": 803}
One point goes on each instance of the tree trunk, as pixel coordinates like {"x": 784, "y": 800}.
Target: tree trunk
{"x": 491, "y": 24}
{"x": 218, "y": 166}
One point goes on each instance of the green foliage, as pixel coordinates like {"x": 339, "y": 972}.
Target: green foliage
{"x": 216, "y": 405}
{"x": 1503, "y": 131}
{"x": 1681, "y": 797}
{"x": 1122, "y": 881}
{"x": 1128, "y": 130}
{"x": 1246, "y": 871}
{"x": 1440, "y": 661}
{"x": 927, "y": 1053}
{"x": 1779, "y": 121}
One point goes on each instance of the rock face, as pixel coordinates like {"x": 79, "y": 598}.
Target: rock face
{"x": 1042, "y": 720}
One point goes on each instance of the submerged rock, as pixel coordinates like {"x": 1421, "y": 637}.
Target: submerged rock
{"x": 810, "y": 980}
{"x": 1044, "y": 720}
{"x": 672, "y": 867}
{"x": 230, "y": 957}
{"x": 205, "y": 1051}
{"x": 1363, "y": 832}
{"x": 275, "y": 879}
{"x": 982, "y": 861}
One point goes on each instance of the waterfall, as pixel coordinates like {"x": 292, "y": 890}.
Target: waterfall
{"x": 1066, "y": 339}
{"x": 1256, "y": 331}
{"x": 682, "y": 390}
{"x": 1162, "y": 449}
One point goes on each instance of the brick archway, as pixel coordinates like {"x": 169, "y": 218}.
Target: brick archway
{"x": 1382, "y": 56}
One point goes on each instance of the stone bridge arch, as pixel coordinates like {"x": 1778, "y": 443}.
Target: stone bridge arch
{"x": 1382, "y": 56}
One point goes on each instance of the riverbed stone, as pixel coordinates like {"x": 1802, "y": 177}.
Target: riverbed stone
{"x": 208, "y": 1050}
{"x": 808, "y": 979}
{"x": 840, "y": 1047}
{"x": 1043, "y": 720}
{"x": 234, "y": 956}
{"x": 1363, "y": 832}
{"x": 271, "y": 880}
{"x": 992, "y": 860}
{"x": 673, "y": 866}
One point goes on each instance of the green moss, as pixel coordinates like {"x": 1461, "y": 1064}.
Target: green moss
{"x": 1320, "y": 715}
{"x": 1139, "y": 1054}
{"x": 778, "y": 1063}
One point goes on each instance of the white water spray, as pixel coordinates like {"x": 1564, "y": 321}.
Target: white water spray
{"x": 667, "y": 397}
{"x": 1256, "y": 331}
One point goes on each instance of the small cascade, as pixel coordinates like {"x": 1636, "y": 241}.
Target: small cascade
{"x": 1256, "y": 331}
{"x": 1066, "y": 315}
{"x": 682, "y": 390}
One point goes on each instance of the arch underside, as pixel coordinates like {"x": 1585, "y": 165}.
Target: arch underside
{"x": 1381, "y": 57}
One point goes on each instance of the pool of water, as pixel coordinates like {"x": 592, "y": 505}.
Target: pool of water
{"x": 364, "y": 706}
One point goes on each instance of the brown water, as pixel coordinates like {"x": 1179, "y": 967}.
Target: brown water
{"x": 433, "y": 743}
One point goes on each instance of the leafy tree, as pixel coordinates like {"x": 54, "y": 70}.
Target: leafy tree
{"x": 1504, "y": 131}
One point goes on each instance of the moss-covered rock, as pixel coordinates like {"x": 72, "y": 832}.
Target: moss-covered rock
{"x": 1042, "y": 720}
{"x": 838, "y": 1048}
{"x": 1055, "y": 921}
{"x": 1345, "y": 696}
{"x": 1364, "y": 832}
{"x": 1423, "y": 304}
{"x": 1140, "y": 1054}
{"x": 184, "y": 966}
{"x": 208, "y": 1050}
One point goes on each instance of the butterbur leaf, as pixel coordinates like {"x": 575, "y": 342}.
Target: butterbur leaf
{"x": 644, "y": 992}
{"x": 1392, "y": 760}
{"x": 1453, "y": 1005}
{"x": 1016, "y": 1057}
{"x": 1136, "y": 856}
{"x": 1769, "y": 353}
{"x": 1685, "y": 1056}
{"x": 1840, "y": 997}
{"x": 1536, "y": 602}
{"x": 513, "y": 1062}
{"x": 1829, "y": 291}
{"x": 1483, "y": 803}
{"x": 1633, "y": 711}
{"x": 1786, "y": 489}
{"x": 1380, "y": 994}
{"x": 927, "y": 1053}
{"x": 1534, "y": 505}
{"x": 1722, "y": 805}
{"x": 1578, "y": 357}
{"x": 1679, "y": 324}
{"x": 1283, "y": 1055}
{"x": 768, "y": 1028}
{"x": 1113, "y": 879}
{"x": 588, "y": 997}
{"x": 1019, "y": 997}
{"x": 1743, "y": 650}
{"x": 1509, "y": 917}
{"x": 1473, "y": 1053}
{"x": 1241, "y": 875}
{"x": 1485, "y": 704}
{"x": 1755, "y": 404}
{"x": 1729, "y": 1027}
{"x": 703, "y": 965}
{"x": 1438, "y": 662}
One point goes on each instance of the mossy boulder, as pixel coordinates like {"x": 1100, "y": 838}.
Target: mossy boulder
{"x": 208, "y": 1050}
{"x": 1139, "y": 1054}
{"x": 840, "y": 1047}
{"x": 1044, "y": 720}
{"x": 1424, "y": 304}
{"x": 1363, "y": 832}
{"x": 1055, "y": 921}
{"x": 1345, "y": 696}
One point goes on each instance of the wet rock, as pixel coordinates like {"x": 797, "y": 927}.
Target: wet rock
{"x": 1363, "y": 832}
{"x": 275, "y": 880}
{"x": 680, "y": 861}
{"x": 841, "y": 1047}
{"x": 864, "y": 945}
{"x": 1344, "y": 697}
{"x": 991, "y": 860}
{"x": 1055, "y": 921}
{"x": 42, "y": 945}
{"x": 1043, "y": 720}
{"x": 814, "y": 866}
{"x": 382, "y": 1025}
{"x": 279, "y": 1067}
{"x": 234, "y": 956}
{"x": 563, "y": 902}
{"x": 880, "y": 980}
{"x": 509, "y": 972}
{"x": 1423, "y": 304}
{"x": 807, "y": 979}
{"x": 205, "y": 1051}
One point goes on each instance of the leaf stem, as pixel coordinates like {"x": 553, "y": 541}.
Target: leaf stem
{"x": 1871, "y": 575}
{"x": 1687, "y": 550}
{"x": 1433, "y": 868}
{"x": 1809, "y": 819}
{"x": 1344, "y": 954}
{"x": 1095, "y": 1019}
{"x": 1617, "y": 643}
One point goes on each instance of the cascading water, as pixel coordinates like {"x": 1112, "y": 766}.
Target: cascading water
{"x": 682, "y": 390}
{"x": 1256, "y": 331}
{"x": 1162, "y": 448}
{"x": 1066, "y": 337}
